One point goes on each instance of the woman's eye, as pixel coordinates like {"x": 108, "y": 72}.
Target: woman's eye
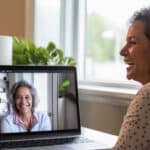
{"x": 17, "y": 97}
{"x": 27, "y": 97}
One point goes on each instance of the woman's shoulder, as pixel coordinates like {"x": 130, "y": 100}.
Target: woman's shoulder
{"x": 40, "y": 114}
{"x": 9, "y": 116}
{"x": 144, "y": 92}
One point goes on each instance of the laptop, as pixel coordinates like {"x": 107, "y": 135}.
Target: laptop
{"x": 57, "y": 92}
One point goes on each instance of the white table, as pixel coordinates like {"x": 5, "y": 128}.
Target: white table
{"x": 100, "y": 136}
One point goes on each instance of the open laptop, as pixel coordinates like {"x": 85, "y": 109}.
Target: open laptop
{"x": 57, "y": 90}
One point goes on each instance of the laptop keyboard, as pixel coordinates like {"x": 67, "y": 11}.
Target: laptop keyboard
{"x": 44, "y": 142}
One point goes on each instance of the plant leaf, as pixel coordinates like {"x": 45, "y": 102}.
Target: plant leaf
{"x": 51, "y": 46}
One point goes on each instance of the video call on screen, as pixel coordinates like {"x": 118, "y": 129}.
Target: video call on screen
{"x": 56, "y": 94}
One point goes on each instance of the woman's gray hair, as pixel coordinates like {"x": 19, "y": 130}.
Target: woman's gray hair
{"x": 143, "y": 15}
{"x": 14, "y": 89}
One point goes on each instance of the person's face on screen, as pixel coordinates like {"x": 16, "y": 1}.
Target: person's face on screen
{"x": 136, "y": 53}
{"x": 23, "y": 99}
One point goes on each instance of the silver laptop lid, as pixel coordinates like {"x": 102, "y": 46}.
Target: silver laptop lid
{"x": 54, "y": 104}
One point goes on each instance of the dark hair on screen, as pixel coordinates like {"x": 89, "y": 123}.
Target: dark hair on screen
{"x": 144, "y": 16}
{"x": 33, "y": 91}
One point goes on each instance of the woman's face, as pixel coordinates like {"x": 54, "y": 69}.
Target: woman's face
{"x": 23, "y": 100}
{"x": 136, "y": 53}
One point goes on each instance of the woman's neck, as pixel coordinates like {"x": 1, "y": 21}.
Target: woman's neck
{"x": 26, "y": 117}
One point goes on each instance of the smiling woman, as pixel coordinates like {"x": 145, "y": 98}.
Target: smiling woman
{"x": 25, "y": 118}
{"x": 135, "y": 130}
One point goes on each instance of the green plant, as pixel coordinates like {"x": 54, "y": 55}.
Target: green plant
{"x": 26, "y": 52}
{"x": 63, "y": 87}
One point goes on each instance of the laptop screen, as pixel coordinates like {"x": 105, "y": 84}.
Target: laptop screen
{"x": 38, "y": 100}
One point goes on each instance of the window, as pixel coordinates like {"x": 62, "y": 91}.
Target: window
{"x": 104, "y": 27}
{"x": 46, "y": 21}
{"x": 92, "y": 31}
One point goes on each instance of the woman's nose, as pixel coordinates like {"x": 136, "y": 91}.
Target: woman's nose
{"x": 23, "y": 100}
{"x": 123, "y": 51}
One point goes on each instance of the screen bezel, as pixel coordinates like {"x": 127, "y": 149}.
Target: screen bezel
{"x": 41, "y": 69}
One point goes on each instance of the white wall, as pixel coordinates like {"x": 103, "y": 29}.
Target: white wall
{"x": 101, "y": 116}
{"x": 103, "y": 110}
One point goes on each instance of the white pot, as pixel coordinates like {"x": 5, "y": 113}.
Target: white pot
{"x": 6, "y": 45}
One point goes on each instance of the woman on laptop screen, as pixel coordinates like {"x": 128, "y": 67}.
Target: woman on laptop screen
{"x": 24, "y": 117}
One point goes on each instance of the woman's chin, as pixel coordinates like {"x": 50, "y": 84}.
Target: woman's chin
{"x": 131, "y": 73}
{"x": 130, "y": 76}
{"x": 22, "y": 111}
